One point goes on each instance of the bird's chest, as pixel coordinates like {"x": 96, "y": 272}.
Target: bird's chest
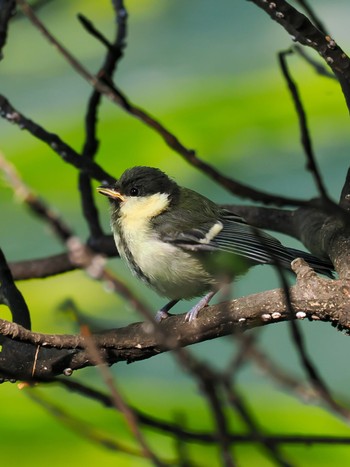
{"x": 171, "y": 271}
{"x": 144, "y": 253}
{"x": 136, "y": 241}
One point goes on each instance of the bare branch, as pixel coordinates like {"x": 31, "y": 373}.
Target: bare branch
{"x": 11, "y": 296}
{"x": 81, "y": 427}
{"x": 7, "y": 11}
{"x": 312, "y": 15}
{"x": 303, "y": 31}
{"x": 67, "y": 153}
{"x": 320, "y": 224}
{"x": 320, "y": 69}
{"x": 179, "y": 431}
{"x": 33, "y": 201}
{"x": 117, "y": 97}
{"x": 114, "y": 54}
{"x": 304, "y": 131}
{"x": 79, "y": 254}
{"x": 118, "y": 400}
{"x": 313, "y": 297}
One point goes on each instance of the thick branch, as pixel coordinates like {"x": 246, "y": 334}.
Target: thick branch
{"x": 313, "y": 297}
{"x": 325, "y": 235}
{"x": 11, "y": 296}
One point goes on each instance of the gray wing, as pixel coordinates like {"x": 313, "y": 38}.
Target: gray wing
{"x": 244, "y": 240}
{"x": 231, "y": 234}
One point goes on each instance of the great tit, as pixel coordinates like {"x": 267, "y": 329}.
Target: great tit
{"x": 182, "y": 244}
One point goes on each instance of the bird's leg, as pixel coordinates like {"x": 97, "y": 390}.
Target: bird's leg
{"x": 203, "y": 302}
{"x": 163, "y": 313}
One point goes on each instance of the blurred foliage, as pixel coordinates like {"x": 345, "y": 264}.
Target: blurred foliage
{"x": 201, "y": 71}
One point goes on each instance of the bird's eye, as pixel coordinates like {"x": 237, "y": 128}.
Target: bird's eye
{"x": 134, "y": 191}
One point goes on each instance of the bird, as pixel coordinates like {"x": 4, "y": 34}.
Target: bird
{"x": 182, "y": 244}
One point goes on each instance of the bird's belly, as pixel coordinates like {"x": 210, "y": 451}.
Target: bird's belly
{"x": 161, "y": 266}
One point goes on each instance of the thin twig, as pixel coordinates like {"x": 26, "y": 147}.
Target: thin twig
{"x": 114, "y": 54}
{"x": 304, "y": 132}
{"x": 117, "y": 97}
{"x": 67, "y": 153}
{"x": 80, "y": 426}
{"x": 36, "y": 204}
{"x": 303, "y": 31}
{"x": 179, "y": 431}
{"x": 228, "y": 377}
{"x": 316, "y": 65}
{"x": 237, "y": 401}
{"x": 312, "y": 15}
{"x": 307, "y": 364}
{"x": 79, "y": 254}
{"x": 117, "y": 399}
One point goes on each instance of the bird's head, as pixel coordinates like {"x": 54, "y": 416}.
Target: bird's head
{"x": 142, "y": 191}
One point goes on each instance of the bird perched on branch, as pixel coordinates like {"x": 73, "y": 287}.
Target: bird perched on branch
{"x": 182, "y": 244}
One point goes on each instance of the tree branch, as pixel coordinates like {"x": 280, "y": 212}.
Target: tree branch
{"x": 67, "y": 153}
{"x": 311, "y": 164}
{"x": 11, "y": 296}
{"x": 7, "y": 10}
{"x": 115, "y": 52}
{"x": 312, "y": 297}
{"x": 303, "y": 31}
{"x": 178, "y": 430}
{"x": 118, "y": 98}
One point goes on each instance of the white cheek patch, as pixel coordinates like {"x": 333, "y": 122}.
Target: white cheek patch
{"x": 212, "y": 233}
{"x": 138, "y": 210}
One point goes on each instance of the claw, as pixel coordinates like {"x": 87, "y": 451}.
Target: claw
{"x": 203, "y": 302}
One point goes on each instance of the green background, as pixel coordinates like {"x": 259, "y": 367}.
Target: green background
{"x": 208, "y": 71}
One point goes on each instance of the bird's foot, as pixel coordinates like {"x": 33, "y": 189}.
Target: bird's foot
{"x": 163, "y": 313}
{"x": 203, "y": 302}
